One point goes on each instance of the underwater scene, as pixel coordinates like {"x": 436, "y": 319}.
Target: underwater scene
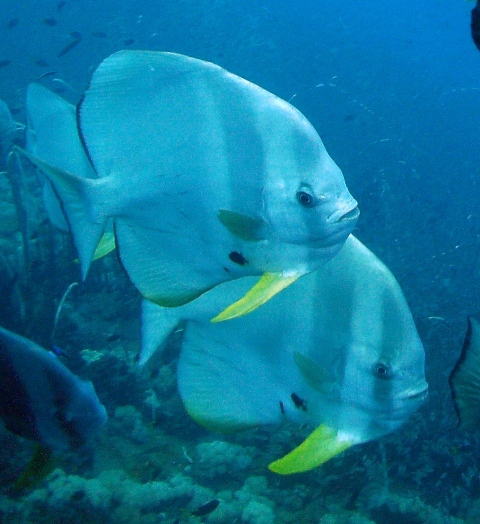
{"x": 239, "y": 262}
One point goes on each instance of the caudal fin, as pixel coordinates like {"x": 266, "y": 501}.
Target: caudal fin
{"x": 74, "y": 193}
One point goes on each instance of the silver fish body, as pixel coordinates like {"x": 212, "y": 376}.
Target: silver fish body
{"x": 200, "y": 169}
{"x": 338, "y": 351}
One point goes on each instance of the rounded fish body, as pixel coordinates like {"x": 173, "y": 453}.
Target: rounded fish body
{"x": 338, "y": 350}
{"x": 42, "y": 400}
{"x": 206, "y": 176}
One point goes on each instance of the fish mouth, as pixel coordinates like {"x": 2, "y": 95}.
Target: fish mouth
{"x": 398, "y": 409}
{"x": 419, "y": 395}
{"x": 343, "y": 222}
{"x": 348, "y": 213}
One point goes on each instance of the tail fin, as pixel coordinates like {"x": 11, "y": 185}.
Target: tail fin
{"x": 75, "y": 195}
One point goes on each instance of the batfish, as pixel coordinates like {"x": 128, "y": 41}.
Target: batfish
{"x": 42, "y": 400}
{"x": 208, "y": 178}
{"x": 52, "y": 135}
{"x": 9, "y": 129}
{"x": 464, "y": 382}
{"x": 338, "y": 351}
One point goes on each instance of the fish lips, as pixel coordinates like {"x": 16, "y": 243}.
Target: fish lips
{"x": 340, "y": 224}
{"x": 407, "y": 403}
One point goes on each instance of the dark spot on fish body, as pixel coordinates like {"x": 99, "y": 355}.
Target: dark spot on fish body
{"x": 238, "y": 258}
{"x": 5, "y": 63}
{"x": 299, "y": 402}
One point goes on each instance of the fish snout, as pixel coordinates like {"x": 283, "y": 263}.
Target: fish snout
{"x": 348, "y": 213}
{"x": 418, "y": 394}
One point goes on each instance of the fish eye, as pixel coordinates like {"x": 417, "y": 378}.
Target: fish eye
{"x": 305, "y": 197}
{"x": 381, "y": 370}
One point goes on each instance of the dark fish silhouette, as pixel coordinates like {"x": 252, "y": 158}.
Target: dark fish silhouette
{"x": 475, "y": 25}
{"x": 46, "y": 75}
{"x": 464, "y": 380}
{"x": 5, "y": 63}
{"x": 206, "y": 509}
{"x": 51, "y": 22}
{"x": 42, "y": 400}
{"x": 12, "y": 23}
{"x": 71, "y": 45}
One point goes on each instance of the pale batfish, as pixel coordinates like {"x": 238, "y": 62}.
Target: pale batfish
{"x": 9, "y": 129}
{"x": 465, "y": 379}
{"x": 42, "y": 400}
{"x": 338, "y": 351}
{"x": 52, "y": 135}
{"x": 208, "y": 178}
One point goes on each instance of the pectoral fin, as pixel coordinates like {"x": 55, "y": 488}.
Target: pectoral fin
{"x": 316, "y": 376}
{"x": 268, "y": 286}
{"x": 319, "y": 447}
{"x": 242, "y": 226}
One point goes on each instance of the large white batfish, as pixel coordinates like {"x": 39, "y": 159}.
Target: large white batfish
{"x": 208, "y": 178}
{"x": 9, "y": 129}
{"x": 52, "y": 135}
{"x": 338, "y": 351}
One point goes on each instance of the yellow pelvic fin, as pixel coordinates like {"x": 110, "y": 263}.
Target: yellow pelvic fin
{"x": 40, "y": 466}
{"x": 105, "y": 246}
{"x": 269, "y": 285}
{"x": 319, "y": 447}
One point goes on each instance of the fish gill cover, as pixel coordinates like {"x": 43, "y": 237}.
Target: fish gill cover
{"x": 376, "y": 81}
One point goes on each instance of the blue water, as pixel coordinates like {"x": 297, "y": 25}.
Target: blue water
{"x": 393, "y": 89}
